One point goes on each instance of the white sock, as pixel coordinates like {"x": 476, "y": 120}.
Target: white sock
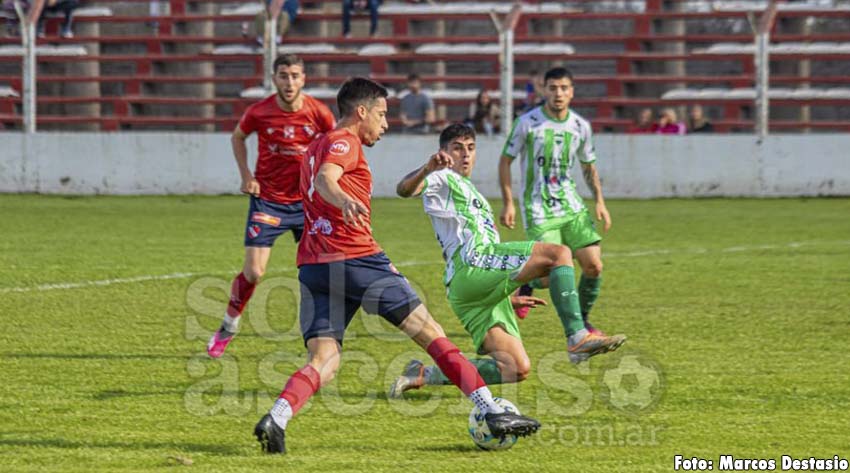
{"x": 281, "y": 412}
{"x": 483, "y": 399}
{"x": 577, "y": 337}
{"x": 231, "y": 324}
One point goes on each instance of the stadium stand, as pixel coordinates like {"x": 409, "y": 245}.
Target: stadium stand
{"x": 193, "y": 69}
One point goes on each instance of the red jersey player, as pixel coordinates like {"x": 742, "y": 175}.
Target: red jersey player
{"x": 341, "y": 268}
{"x": 285, "y": 123}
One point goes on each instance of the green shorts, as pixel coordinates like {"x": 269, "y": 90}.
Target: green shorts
{"x": 481, "y": 287}
{"x": 577, "y": 233}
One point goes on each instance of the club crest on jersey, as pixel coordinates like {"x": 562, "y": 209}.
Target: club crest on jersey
{"x": 270, "y": 131}
{"x": 289, "y": 132}
{"x": 262, "y": 217}
{"x": 321, "y": 225}
{"x": 254, "y": 231}
{"x": 339, "y": 148}
{"x": 309, "y": 130}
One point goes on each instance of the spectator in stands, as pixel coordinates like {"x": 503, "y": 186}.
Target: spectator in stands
{"x": 533, "y": 91}
{"x": 643, "y": 124}
{"x": 290, "y": 7}
{"x": 668, "y": 123}
{"x": 698, "y": 122}
{"x": 483, "y": 114}
{"x": 417, "y": 109}
{"x": 154, "y": 11}
{"x": 347, "y": 9}
{"x": 65, "y": 7}
{"x": 11, "y": 17}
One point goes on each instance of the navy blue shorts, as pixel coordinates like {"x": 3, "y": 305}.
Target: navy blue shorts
{"x": 268, "y": 220}
{"x": 331, "y": 293}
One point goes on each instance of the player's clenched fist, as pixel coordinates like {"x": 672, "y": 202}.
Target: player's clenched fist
{"x": 354, "y": 213}
{"x": 508, "y": 215}
{"x": 439, "y": 161}
{"x": 250, "y": 186}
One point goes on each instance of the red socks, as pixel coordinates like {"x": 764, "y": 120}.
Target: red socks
{"x": 455, "y": 366}
{"x": 240, "y": 292}
{"x": 301, "y": 385}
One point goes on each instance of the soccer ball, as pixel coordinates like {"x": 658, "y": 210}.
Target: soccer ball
{"x": 480, "y": 433}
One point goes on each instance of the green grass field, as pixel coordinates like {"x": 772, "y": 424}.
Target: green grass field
{"x": 741, "y": 308}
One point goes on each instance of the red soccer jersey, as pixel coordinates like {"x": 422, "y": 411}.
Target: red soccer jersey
{"x": 282, "y": 141}
{"x": 326, "y": 237}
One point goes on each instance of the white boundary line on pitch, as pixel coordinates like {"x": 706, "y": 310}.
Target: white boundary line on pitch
{"x": 402, "y": 264}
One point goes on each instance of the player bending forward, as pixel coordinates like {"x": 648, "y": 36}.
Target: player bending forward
{"x": 482, "y": 273}
{"x": 342, "y": 268}
{"x": 285, "y": 123}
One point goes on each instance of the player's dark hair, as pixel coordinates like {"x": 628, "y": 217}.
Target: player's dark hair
{"x": 558, "y": 73}
{"x": 412, "y": 76}
{"x": 358, "y": 91}
{"x": 287, "y": 60}
{"x": 454, "y": 131}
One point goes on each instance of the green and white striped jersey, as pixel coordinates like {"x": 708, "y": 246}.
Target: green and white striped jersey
{"x": 547, "y": 148}
{"x": 461, "y": 217}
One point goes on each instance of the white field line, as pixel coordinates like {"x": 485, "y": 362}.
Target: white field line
{"x": 630, "y": 254}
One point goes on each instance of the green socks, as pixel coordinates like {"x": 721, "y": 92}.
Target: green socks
{"x": 588, "y": 291}
{"x": 487, "y": 368}
{"x": 562, "y": 289}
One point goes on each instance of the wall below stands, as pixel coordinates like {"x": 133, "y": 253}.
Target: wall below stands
{"x": 632, "y": 166}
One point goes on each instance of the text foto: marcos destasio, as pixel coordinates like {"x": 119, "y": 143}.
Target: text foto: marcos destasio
{"x": 784, "y": 463}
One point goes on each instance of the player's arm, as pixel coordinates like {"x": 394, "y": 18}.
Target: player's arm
{"x": 412, "y": 184}
{"x": 508, "y": 216}
{"x": 327, "y": 185}
{"x": 591, "y": 177}
{"x": 514, "y": 147}
{"x": 240, "y": 152}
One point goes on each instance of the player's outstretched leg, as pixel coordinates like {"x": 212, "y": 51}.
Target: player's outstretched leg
{"x": 556, "y": 260}
{"x": 590, "y": 259}
{"x": 240, "y": 292}
{"x": 426, "y": 332}
{"x": 416, "y": 374}
{"x": 323, "y": 353}
{"x": 509, "y": 363}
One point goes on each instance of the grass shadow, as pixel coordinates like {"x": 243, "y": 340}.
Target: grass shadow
{"x": 97, "y": 356}
{"x": 215, "y": 449}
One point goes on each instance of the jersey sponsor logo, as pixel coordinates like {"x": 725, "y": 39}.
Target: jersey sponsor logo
{"x": 321, "y": 225}
{"x": 262, "y": 217}
{"x": 295, "y": 151}
{"x": 339, "y": 148}
{"x": 289, "y": 132}
{"x": 309, "y": 130}
{"x": 254, "y": 231}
